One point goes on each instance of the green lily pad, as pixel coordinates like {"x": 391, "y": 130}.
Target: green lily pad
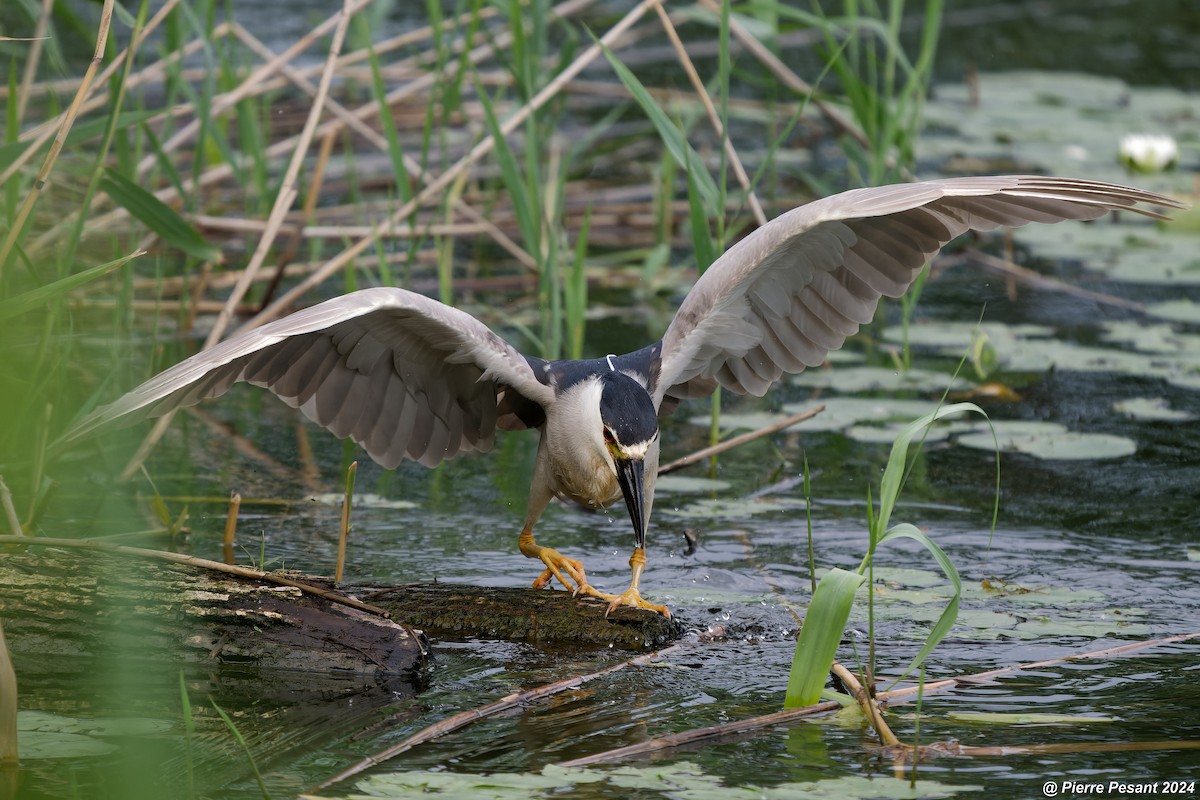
{"x": 35, "y": 745}
{"x": 1015, "y": 593}
{"x": 1073, "y": 128}
{"x": 886, "y": 434}
{"x": 1132, "y": 253}
{"x": 680, "y": 779}
{"x": 365, "y": 500}
{"x": 1041, "y": 627}
{"x": 868, "y": 379}
{"x": 1049, "y": 441}
{"x": 685, "y": 484}
{"x": 734, "y": 507}
{"x": 41, "y": 734}
{"x": 1151, "y": 409}
{"x": 1183, "y": 310}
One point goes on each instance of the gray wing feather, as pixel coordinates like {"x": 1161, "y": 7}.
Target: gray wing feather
{"x": 783, "y": 297}
{"x": 402, "y": 375}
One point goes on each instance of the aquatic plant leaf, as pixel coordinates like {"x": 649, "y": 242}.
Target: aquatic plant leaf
{"x": 687, "y": 484}
{"x": 1151, "y": 409}
{"x": 56, "y": 744}
{"x": 681, "y": 779}
{"x": 37, "y": 298}
{"x": 158, "y": 216}
{"x": 1051, "y": 442}
{"x": 734, "y": 507}
{"x": 669, "y": 132}
{"x": 854, "y": 379}
{"x": 824, "y": 623}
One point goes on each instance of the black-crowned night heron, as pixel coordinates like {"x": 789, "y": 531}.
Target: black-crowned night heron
{"x": 409, "y": 377}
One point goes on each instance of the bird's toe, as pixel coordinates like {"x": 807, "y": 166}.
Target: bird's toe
{"x": 632, "y": 597}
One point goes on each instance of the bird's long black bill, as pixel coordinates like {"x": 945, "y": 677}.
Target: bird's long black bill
{"x": 631, "y": 475}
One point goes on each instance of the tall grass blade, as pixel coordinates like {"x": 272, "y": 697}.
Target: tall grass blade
{"x": 893, "y": 473}
{"x": 241, "y": 740}
{"x": 36, "y": 299}
{"x": 158, "y": 216}
{"x": 670, "y": 134}
{"x": 950, "y": 613}
{"x": 819, "y": 638}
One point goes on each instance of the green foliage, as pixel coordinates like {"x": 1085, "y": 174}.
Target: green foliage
{"x": 834, "y": 595}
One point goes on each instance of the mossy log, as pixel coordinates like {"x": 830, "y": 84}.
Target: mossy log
{"x": 67, "y": 604}
{"x": 530, "y": 615}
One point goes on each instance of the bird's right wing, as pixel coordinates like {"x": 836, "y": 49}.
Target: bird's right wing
{"x": 401, "y": 374}
{"x": 783, "y": 297}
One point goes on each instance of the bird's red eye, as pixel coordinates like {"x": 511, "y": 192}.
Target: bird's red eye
{"x": 608, "y": 436}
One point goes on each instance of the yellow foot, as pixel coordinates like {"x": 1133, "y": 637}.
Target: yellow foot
{"x": 630, "y": 597}
{"x": 568, "y": 571}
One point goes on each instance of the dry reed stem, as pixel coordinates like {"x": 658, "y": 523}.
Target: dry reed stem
{"x": 221, "y": 172}
{"x": 375, "y": 138}
{"x": 867, "y": 703}
{"x": 199, "y": 563}
{"x": 60, "y": 138}
{"x": 228, "y": 99}
{"x": 287, "y": 189}
{"x": 792, "y": 714}
{"x": 1030, "y": 277}
{"x": 10, "y": 511}
{"x": 461, "y": 720}
{"x": 450, "y": 175}
{"x": 8, "y": 705}
{"x": 738, "y": 441}
{"x": 714, "y": 117}
{"x": 787, "y": 76}
{"x": 39, "y": 134}
{"x": 231, "y": 520}
{"x": 344, "y": 524}
{"x": 35, "y": 56}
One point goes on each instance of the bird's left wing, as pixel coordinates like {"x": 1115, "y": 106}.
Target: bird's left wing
{"x": 401, "y": 374}
{"x": 787, "y": 294}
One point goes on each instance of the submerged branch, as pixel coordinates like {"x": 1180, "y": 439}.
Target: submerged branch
{"x": 465, "y": 718}
{"x": 899, "y": 695}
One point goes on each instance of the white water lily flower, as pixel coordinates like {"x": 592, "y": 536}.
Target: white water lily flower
{"x": 1149, "y": 152}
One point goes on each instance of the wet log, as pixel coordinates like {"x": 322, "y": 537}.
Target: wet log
{"x": 64, "y": 605}
{"x": 546, "y": 616}
{"x": 61, "y": 606}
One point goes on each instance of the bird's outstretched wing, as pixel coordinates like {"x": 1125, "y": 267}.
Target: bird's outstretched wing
{"x": 402, "y": 375}
{"x": 783, "y": 297}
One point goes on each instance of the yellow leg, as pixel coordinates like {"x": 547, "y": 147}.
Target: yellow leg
{"x": 556, "y": 565}
{"x": 631, "y": 596}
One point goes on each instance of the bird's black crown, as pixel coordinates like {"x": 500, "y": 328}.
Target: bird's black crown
{"x": 626, "y": 408}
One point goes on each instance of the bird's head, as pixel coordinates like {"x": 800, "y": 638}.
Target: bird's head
{"x": 629, "y": 428}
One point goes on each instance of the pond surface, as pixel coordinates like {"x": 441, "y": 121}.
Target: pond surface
{"x": 1095, "y": 546}
{"x": 1091, "y": 551}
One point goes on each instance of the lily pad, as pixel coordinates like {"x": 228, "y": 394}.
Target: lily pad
{"x": 1151, "y": 409}
{"x": 1073, "y": 128}
{"x": 35, "y": 745}
{"x": 1182, "y": 310}
{"x": 734, "y": 508}
{"x": 1049, "y": 441}
{"x": 41, "y": 734}
{"x": 365, "y": 500}
{"x": 682, "y": 780}
{"x": 868, "y": 379}
{"x": 685, "y": 484}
